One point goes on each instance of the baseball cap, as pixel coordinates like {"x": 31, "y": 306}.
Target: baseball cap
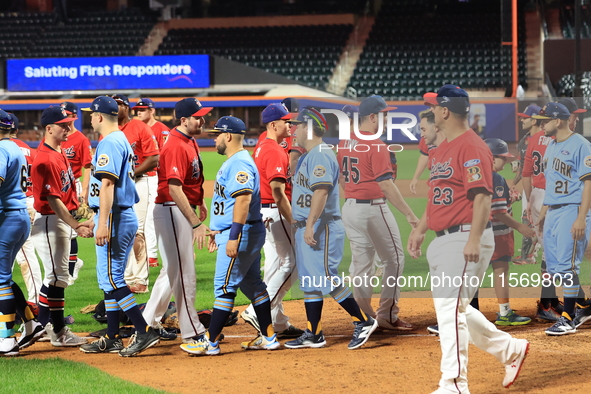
{"x": 104, "y": 105}
{"x": 529, "y": 111}
{"x": 309, "y": 113}
{"x": 121, "y": 98}
{"x": 14, "y": 120}
{"x": 229, "y": 124}
{"x": 55, "y": 115}
{"x": 6, "y": 122}
{"x": 553, "y": 111}
{"x": 190, "y": 106}
{"x": 276, "y": 111}
{"x": 71, "y": 108}
{"x": 373, "y": 105}
{"x": 451, "y": 97}
{"x": 144, "y": 103}
{"x": 571, "y": 105}
{"x": 350, "y": 110}
{"x": 291, "y": 104}
{"x": 498, "y": 147}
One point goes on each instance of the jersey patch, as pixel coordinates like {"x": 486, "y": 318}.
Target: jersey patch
{"x": 474, "y": 173}
{"x": 319, "y": 171}
{"x": 102, "y": 160}
{"x": 472, "y": 163}
{"x": 283, "y": 144}
{"x": 588, "y": 161}
{"x": 500, "y": 190}
{"x": 241, "y": 177}
{"x": 565, "y": 152}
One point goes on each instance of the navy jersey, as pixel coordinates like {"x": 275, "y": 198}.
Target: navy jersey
{"x": 238, "y": 175}
{"x": 501, "y": 203}
{"x": 13, "y": 175}
{"x": 114, "y": 157}
{"x": 318, "y": 167}
{"x": 566, "y": 165}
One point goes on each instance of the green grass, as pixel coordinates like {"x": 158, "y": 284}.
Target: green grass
{"x": 55, "y": 375}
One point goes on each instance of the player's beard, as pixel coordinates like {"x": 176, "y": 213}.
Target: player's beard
{"x": 221, "y": 148}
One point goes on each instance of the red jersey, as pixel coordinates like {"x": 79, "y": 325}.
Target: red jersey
{"x": 286, "y": 144}
{"x": 457, "y": 167}
{"x": 53, "y": 176}
{"x": 78, "y": 151}
{"x": 424, "y": 148}
{"x": 180, "y": 160}
{"x": 161, "y": 133}
{"x": 142, "y": 141}
{"x": 29, "y": 154}
{"x": 363, "y": 165}
{"x": 272, "y": 161}
{"x": 534, "y": 159}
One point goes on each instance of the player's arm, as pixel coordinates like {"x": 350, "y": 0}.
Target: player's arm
{"x": 278, "y": 192}
{"x": 106, "y": 198}
{"x": 175, "y": 188}
{"x": 508, "y": 220}
{"x": 480, "y": 215}
{"x": 83, "y": 229}
{"x": 316, "y": 208}
{"x": 393, "y": 195}
{"x": 85, "y": 183}
{"x": 416, "y": 237}
{"x": 579, "y": 226}
{"x": 239, "y": 216}
{"x": 147, "y": 165}
{"x": 421, "y": 165}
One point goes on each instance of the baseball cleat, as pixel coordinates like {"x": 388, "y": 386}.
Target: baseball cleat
{"x": 251, "y": 318}
{"x": 545, "y": 315}
{"x": 164, "y": 334}
{"x": 512, "y": 370}
{"x": 398, "y": 325}
{"x": 582, "y": 314}
{"x": 103, "y": 345}
{"x": 512, "y": 319}
{"x": 8, "y": 347}
{"x": 262, "y": 343}
{"x": 65, "y": 338}
{"x": 434, "y": 329}
{"x": 290, "y": 333}
{"x": 140, "y": 342}
{"x": 362, "y": 332}
{"x": 33, "y": 331}
{"x": 307, "y": 339}
{"x": 202, "y": 346}
{"x": 563, "y": 326}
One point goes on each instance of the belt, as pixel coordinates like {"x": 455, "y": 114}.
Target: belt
{"x": 302, "y": 223}
{"x": 173, "y": 204}
{"x": 375, "y": 201}
{"x": 271, "y": 205}
{"x": 12, "y": 209}
{"x": 113, "y": 209}
{"x": 459, "y": 227}
{"x": 557, "y": 206}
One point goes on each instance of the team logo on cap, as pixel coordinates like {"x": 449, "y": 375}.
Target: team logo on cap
{"x": 555, "y": 114}
{"x": 445, "y": 99}
{"x": 96, "y": 107}
{"x": 319, "y": 171}
{"x": 242, "y": 177}
{"x": 102, "y": 160}
{"x": 588, "y": 161}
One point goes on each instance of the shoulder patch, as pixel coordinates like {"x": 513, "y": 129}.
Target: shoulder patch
{"x": 242, "y": 177}
{"x": 588, "y": 161}
{"x": 102, "y": 160}
{"x": 472, "y": 163}
{"x": 499, "y": 190}
{"x": 319, "y": 171}
{"x": 474, "y": 174}
{"x": 283, "y": 144}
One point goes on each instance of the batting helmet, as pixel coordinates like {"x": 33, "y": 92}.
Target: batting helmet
{"x": 498, "y": 147}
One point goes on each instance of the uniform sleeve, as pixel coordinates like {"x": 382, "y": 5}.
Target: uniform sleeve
{"x": 148, "y": 142}
{"x": 108, "y": 159}
{"x": 584, "y": 161}
{"x": 320, "y": 171}
{"x": 380, "y": 164}
{"x": 85, "y": 152}
{"x": 423, "y": 148}
{"x": 528, "y": 168}
{"x": 241, "y": 178}
{"x": 275, "y": 163}
{"x": 500, "y": 194}
{"x": 476, "y": 167}
{"x": 51, "y": 184}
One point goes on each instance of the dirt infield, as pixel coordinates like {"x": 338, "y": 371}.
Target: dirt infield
{"x": 389, "y": 363}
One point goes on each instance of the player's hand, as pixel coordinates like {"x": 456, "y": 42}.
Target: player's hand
{"x": 412, "y": 219}
{"x": 309, "y": 236}
{"x": 514, "y": 195}
{"x": 212, "y": 246}
{"x": 199, "y": 235}
{"x": 82, "y": 197}
{"x": 202, "y": 212}
{"x": 528, "y": 212}
{"x": 472, "y": 251}
{"x": 232, "y": 248}
{"x": 415, "y": 240}
{"x": 102, "y": 235}
{"x": 413, "y": 186}
{"x": 578, "y": 229}
{"x": 526, "y": 231}
{"x": 84, "y": 231}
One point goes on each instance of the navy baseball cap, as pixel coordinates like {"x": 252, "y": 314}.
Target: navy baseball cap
{"x": 291, "y": 104}
{"x": 553, "y": 111}
{"x": 55, "y": 115}
{"x": 451, "y": 97}
{"x": 309, "y": 113}
{"x": 144, "y": 103}
{"x": 571, "y": 105}
{"x": 71, "y": 108}
{"x": 498, "y": 147}
{"x": 229, "y": 124}
{"x": 190, "y": 106}
{"x": 276, "y": 111}
{"x": 6, "y": 121}
{"x": 350, "y": 110}
{"x": 374, "y": 105}
{"x": 104, "y": 105}
{"x": 121, "y": 98}
{"x": 529, "y": 111}
{"x": 14, "y": 120}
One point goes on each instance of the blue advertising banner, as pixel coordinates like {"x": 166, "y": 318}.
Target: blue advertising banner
{"x": 108, "y": 73}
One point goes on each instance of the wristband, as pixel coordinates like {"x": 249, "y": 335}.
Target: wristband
{"x": 197, "y": 225}
{"x": 235, "y": 231}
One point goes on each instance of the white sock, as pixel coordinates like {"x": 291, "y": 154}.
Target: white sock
{"x": 505, "y": 309}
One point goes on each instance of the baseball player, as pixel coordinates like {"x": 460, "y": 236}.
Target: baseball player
{"x": 79, "y": 153}
{"x": 26, "y": 257}
{"x": 320, "y": 235}
{"x": 56, "y": 202}
{"x": 112, "y": 197}
{"x": 366, "y": 176}
{"x": 574, "y": 110}
{"x": 458, "y": 210}
{"x": 424, "y": 150}
{"x": 146, "y": 154}
{"x": 146, "y": 110}
{"x": 14, "y": 225}
{"x": 272, "y": 161}
{"x": 178, "y": 227}
{"x": 565, "y": 216}
{"x": 238, "y": 234}
{"x": 531, "y": 126}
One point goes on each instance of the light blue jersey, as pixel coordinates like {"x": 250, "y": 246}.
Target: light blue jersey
{"x": 238, "y": 175}
{"x": 13, "y": 175}
{"x": 114, "y": 157}
{"x": 315, "y": 168}
{"x": 566, "y": 165}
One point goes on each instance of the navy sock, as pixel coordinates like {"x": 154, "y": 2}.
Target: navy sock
{"x": 73, "y": 255}
{"x": 7, "y": 307}
{"x": 216, "y": 325}
{"x": 23, "y": 309}
{"x": 55, "y": 298}
{"x": 314, "y": 314}
{"x": 350, "y": 305}
{"x": 43, "y": 316}
{"x": 127, "y": 303}
{"x": 262, "y": 307}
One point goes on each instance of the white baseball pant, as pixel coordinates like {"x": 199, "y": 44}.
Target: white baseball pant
{"x": 372, "y": 228}
{"x": 537, "y": 201}
{"x": 279, "y": 269}
{"x": 136, "y": 270}
{"x": 175, "y": 240}
{"x": 51, "y": 236}
{"x": 459, "y": 323}
{"x": 151, "y": 241}
{"x": 28, "y": 262}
